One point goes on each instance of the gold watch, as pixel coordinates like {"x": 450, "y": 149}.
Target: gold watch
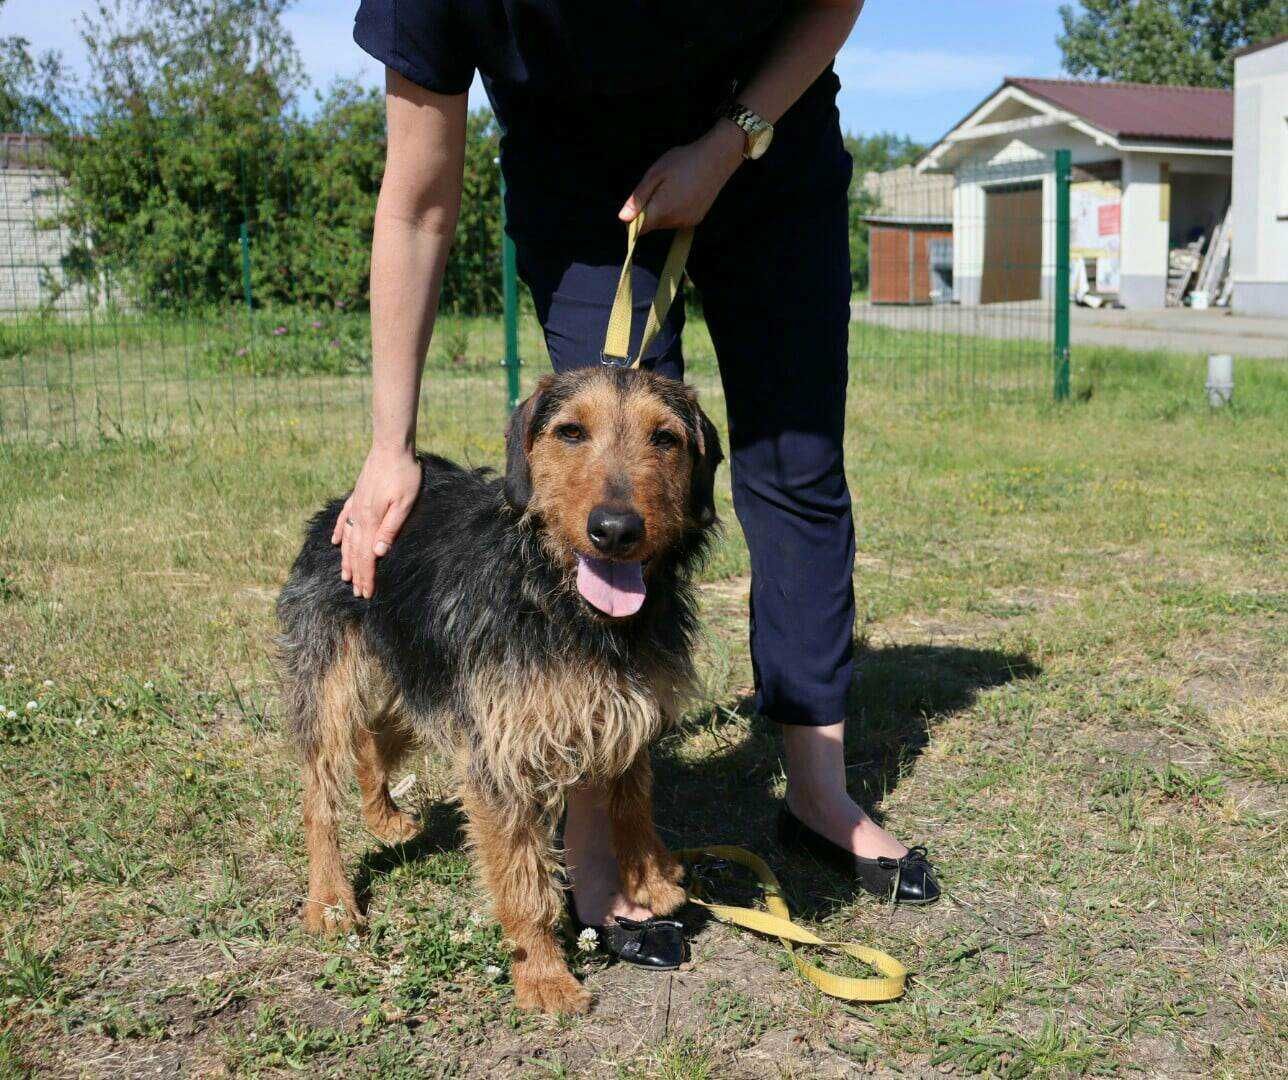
{"x": 758, "y": 131}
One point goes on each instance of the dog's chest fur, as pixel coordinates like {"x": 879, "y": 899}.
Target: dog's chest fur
{"x": 492, "y": 650}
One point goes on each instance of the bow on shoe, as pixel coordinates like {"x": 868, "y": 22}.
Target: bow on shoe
{"x": 656, "y": 942}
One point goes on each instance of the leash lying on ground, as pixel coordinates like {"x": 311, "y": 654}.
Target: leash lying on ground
{"x": 777, "y": 921}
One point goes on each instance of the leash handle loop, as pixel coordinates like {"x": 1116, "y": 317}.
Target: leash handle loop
{"x": 617, "y": 338}
{"x": 777, "y": 922}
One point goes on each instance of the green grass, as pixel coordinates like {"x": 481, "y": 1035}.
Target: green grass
{"x": 1072, "y": 688}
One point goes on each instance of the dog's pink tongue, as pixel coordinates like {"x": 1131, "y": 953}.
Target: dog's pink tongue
{"x": 617, "y": 589}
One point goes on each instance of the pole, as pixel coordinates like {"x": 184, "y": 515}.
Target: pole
{"x": 245, "y": 256}
{"x": 510, "y": 302}
{"x": 1060, "y": 337}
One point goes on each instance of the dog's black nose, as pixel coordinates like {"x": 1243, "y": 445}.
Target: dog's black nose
{"x": 614, "y": 531}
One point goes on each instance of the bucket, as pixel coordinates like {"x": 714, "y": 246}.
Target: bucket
{"x": 1199, "y": 300}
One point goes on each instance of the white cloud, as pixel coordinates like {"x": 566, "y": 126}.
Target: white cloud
{"x": 920, "y": 72}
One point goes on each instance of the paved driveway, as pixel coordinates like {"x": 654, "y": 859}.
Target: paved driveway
{"x": 1174, "y": 329}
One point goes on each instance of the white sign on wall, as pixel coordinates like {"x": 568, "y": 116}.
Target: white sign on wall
{"x": 1095, "y": 229}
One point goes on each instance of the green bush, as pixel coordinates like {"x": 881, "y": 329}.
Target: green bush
{"x": 194, "y": 135}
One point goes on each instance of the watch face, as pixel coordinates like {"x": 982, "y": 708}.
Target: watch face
{"x": 759, "y": 142}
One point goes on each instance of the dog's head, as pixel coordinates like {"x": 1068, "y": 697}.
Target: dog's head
{"x": 619, "y": 466}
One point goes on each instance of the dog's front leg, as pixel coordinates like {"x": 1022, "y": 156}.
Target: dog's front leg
{"x": 516, "y": 860}
{"x": 650, "y": 874}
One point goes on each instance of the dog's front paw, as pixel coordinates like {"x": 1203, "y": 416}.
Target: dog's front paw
{"x": 559, "y": 994}
{"x": 332, "y": 915}
{"x": 394, "y": 828}
{"x": 655, "y": 883}
{"x": 661, "y": 897}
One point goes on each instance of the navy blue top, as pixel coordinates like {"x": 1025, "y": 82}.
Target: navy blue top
{"x": 588, "y": 93}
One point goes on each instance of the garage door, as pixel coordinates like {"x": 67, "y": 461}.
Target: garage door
{"x": 1012, "y": 244}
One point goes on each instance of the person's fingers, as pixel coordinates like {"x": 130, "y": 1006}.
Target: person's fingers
{"x": 660, "y": 211}
{"x": 639, "y": 198}
{"x": 337, "y": 534}
{"x": 346, "y": 555}
{"x": 364, "y": 560}
{"x": 389, "y": 527}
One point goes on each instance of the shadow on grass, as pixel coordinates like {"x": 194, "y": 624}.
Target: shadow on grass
{"x": 728, "y": 797}
{"x": 441, "y": 831}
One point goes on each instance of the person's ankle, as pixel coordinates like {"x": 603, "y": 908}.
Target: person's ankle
{"x": 840, "y": 819}
{"x": 596, "y": 891}
{"x": 596, "y": 907}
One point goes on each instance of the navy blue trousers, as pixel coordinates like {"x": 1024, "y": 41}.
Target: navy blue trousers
{"x": 774, "y": 278}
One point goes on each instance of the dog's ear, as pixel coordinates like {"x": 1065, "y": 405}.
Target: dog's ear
{"x": 518, "y": 445}
{"x": 707, "y": 456}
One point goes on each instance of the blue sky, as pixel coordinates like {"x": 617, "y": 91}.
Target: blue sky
{"x": 911, "y": 66}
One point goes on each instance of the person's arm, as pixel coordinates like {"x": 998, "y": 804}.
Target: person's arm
{"x": 681, "y": 185}
{"x": 420, "y": 197}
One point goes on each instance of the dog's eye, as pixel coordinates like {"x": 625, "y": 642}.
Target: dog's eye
{"x": 571, "y": 433}
{"x": 665, "y": 439}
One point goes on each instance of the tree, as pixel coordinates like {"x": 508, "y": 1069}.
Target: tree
{"x": 1175, "y": 42}
{"x": 194, "y": 134}
{"x": 871, "y": 153}
{"x": 31, "y": 86}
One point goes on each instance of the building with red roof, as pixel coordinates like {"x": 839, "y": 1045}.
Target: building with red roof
{"x": 1152, "y": 168}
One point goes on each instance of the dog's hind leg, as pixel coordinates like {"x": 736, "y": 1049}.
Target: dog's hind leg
{"x": 327, "y": 754}
{"x": 516, "y": 860}
{"x": 377, "y": 749}
{"x": 649, "y": 873}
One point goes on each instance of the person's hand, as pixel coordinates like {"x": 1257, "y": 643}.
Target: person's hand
{"x": 380, "y": 503}
{"x": 679, "y": 188}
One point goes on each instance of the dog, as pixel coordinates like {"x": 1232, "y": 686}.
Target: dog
{"x": 536, "y": 629}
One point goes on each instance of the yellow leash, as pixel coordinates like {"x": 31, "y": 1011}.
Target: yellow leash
{"x": 617, "y": 340}
{"x": 777, "y": 922}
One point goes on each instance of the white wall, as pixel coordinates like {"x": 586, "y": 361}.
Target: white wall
{"x": 30, "y": 255}
{"x": 1260, "y": 247}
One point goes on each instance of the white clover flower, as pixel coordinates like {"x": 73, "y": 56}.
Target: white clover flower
{"x": 32, "y": 706}
{"x": 48, "y": 684}
{"x": 12, "y": 714}
{"x": 588, "y": 940}
{"x": 492, "y": 971}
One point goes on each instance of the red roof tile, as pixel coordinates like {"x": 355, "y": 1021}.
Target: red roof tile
{"x": 1142, "y": 111}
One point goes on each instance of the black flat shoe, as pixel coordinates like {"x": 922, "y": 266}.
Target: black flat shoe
{"x": 651, "y": 943}
{"x": 909, "y": 880}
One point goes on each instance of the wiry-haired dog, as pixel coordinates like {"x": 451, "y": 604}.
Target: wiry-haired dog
{"x": 535, "y": 628}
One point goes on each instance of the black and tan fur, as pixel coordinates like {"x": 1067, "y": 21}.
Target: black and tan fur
{"x": 478, "y": 642}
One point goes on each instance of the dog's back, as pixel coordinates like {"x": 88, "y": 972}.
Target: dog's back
{"x": 439, "y": 570}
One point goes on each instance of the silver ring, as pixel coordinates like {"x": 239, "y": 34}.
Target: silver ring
{"x": 350, "y": 523}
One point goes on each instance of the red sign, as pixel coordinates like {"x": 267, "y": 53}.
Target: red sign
{"x": 1110, "y": 218}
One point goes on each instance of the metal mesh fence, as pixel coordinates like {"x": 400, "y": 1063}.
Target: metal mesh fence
{"x": 231, "y": 306}
{"x": 964, "y": 283}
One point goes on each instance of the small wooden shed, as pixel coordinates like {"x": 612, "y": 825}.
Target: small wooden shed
{"x": 910, "y": 237}
{"x": 910, "y": 259}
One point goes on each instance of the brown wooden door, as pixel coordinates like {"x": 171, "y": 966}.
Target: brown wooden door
{"x": 1012, "y": 245}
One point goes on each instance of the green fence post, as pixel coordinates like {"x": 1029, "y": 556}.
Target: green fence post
{"x": 510, "y": 302}
{"x": 1060, "y": 338}
{"x": 245, "y": 254}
